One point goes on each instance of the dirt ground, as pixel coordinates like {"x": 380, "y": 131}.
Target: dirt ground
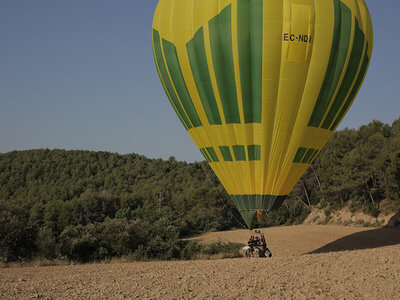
{"x": 309, "y": 262}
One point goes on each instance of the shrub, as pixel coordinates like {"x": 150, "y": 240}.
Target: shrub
{"x": 328, "y": 211}
{"x": 371, "y": 209}
{"x": 17, "y": 237}
{"x": 219, "y": 247}
{"x": 46, "y": 244}
{"x": 190, "y": 250}
{"x": 140, "y": 253}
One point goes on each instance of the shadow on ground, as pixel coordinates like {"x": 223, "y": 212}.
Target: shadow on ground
{"x": 394, "y": 221}
{"x": 370, "y": 239}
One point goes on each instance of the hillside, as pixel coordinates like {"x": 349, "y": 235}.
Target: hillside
{"x": 89, "y": 206}
{"x": 309, "y": 262}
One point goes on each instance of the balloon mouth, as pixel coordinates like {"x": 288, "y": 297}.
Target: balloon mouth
{"x": 252, "y": 207}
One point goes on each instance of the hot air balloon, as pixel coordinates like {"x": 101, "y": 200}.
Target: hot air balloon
{"x": 261, "y": 85}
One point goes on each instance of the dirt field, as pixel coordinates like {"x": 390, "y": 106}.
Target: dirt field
{"x": 309, "y": 262}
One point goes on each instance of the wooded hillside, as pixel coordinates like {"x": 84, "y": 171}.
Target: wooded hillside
{"x": 91, "y": 205}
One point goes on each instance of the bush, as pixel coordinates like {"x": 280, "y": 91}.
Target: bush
{"x": 46, "y": 244}
{"x": 219, "y": 247}
{"x": 328, "y": 211}
{"x": 77, "y": 245}
{"x": 17, "y": 236}
{"x": 371, "y": 209}
{"x": 191, "y": 250}
{"x": 112, "y": 238}
{"x": 140, "y": 253}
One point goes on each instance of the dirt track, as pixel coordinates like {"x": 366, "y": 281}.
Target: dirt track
{"x": 321, "y": 262}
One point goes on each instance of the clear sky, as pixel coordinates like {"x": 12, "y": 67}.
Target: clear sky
{"x": 79, "y": 74}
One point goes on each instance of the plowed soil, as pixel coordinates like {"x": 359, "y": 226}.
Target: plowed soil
{"x": 309, "y": 262}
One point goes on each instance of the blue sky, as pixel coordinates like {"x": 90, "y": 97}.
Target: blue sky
{"x": 79, "y": 74}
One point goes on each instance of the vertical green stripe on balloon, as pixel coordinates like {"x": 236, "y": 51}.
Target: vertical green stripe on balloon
{"x": 240, "y": 153}
{"x": 351, "y": 72}
{"x": 168, "y": 96}
{"x": 354, "y": 90}
{"x": 165, "y": 78}
{"x": 250, "y": 39}
{"x": 208, "y": 158}
{"x": 307, "y": 160}
{"x": 212, "y": 154}
{"x": 166, "y": 91}
{"x": 254, "y": 152}
{"x": 307, "y": 156}
{"x": 339, "y": 50}
{"x": 299, "y": 155}
{"x": 226, "y": 153}
{"x": 313, "y": 155}
{"x": 176, "y": 75}
{"x": 314, "y": 152}
{"x": 205, "y": 156}
{"x": 222, "y": 55}
{"x": 198, "y": 62}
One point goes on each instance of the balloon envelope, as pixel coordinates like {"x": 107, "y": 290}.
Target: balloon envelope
{"x": 261, "y": 85}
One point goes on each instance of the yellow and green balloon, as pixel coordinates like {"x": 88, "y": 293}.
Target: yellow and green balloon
{"x": 261, "y": 85}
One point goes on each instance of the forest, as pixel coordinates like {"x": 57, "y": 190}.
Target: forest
{"x": 84, "y": 206}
